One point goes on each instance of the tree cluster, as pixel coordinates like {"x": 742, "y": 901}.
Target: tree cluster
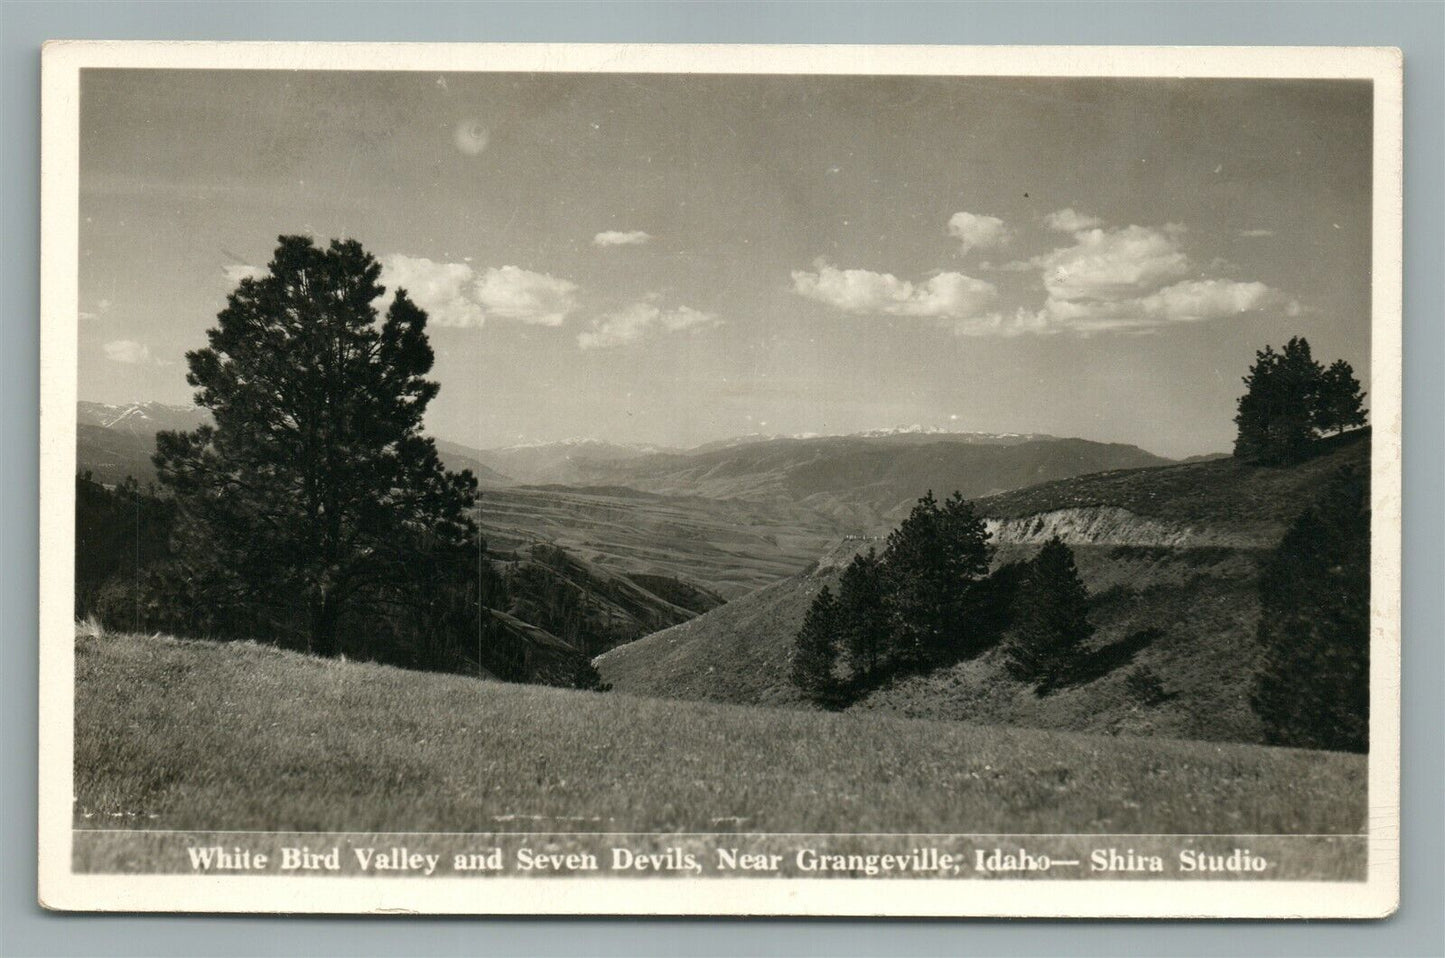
{"x": 1290, "y": 400}
{"x": 1313, "y": 686}
{"x": 929, "y": 600}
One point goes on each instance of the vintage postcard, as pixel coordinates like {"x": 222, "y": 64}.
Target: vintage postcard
{"x": 720, "y": 480}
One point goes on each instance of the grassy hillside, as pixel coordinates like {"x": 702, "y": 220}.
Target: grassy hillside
{"x": 173, "y": 734}
{"x": 1222, "y": 493}
{"x": 1183, "y": 615}
{"x": 738, "y": 652}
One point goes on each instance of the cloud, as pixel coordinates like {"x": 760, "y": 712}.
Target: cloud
{"x": 977, "y": 231}
{"x": 1189, "y": 301}
{"x": 945, "y": 296}
{"x": 632, "y": 323}
{"x": 454, "y": 294}
{"x": 442, "y": 289}
{"x": 1252, "y": 234}
{"x": 1139, "y": 278}
{"x": 127, "y": 351}
{"x": 535, "y": 298}
{"x": 1112, "y": 264}
{"x": 1070, "y": 220}
{"x": 620, "y": 238}
{"x": 471, "y": 137}
{"x": 235, "y": 272}
{"x": 1128, "y": 279}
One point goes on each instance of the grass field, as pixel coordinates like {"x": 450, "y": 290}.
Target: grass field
{"x": 174, "y": 734}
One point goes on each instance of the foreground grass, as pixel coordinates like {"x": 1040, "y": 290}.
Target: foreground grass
{"x": 174, "y": 734}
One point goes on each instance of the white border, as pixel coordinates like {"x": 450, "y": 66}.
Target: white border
{"x": 59, "y": 889}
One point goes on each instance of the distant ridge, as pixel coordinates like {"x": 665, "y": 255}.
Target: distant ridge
{"x": 116, "y": 440}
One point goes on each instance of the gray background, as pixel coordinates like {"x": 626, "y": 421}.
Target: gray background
{"x": 1418, "y": 28}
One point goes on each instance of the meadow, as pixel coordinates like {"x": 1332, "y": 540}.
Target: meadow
{"x": 181, "y": 734}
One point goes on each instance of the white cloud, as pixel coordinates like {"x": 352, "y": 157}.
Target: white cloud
{"x": 945, "y": 296}
{"x": 1113, "y": 264}
{"x": 1253, "y": 234}
{"x": 535, "y": 298}
{"x": 454, "y": 294}
{"x": 1070, "y": 220}
{"x": 1190, "y": 301}
{"x": 127, "y": 351}
{"x": 235, "y": 272}
{"x": 632, "y": 323}
{"x": 1139, "y": 278}
{"x": 442, "y": 289}
{"x": 621, "y": 238}
{"x": 977, "y": 231}
{"x": 1133, "y": 278}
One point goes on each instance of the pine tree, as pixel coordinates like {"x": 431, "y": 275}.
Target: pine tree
{"x": 815, "y": 651}
{"x": 315, "y": 487}
{"x": 931, "y": 562}
{"x": 1313, "y": 689}
{"x": 1339, "y": 401}
{"x": 1276, "y": 415}
{"x": 1050, "y": 620}
{"x": 863, "y": 622}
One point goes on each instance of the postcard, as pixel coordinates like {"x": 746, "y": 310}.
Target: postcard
{"x": 720, "y": 480}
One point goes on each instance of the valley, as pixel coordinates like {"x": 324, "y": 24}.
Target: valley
{"x": 691, "y": 572}
{"x": 728, "y": 517}
{"x": 1169, "y": 554}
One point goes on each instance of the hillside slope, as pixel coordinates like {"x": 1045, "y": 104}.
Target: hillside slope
{"x": 591, "y": 608}
{"x": 1169, "y": 554}
{"x": 738, "y": 652}
{"x": 187, "y": 735}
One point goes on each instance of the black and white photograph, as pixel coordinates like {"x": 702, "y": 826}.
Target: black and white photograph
{"x": 721, "y": 480}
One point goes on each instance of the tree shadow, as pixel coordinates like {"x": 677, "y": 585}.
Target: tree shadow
{"x": 1098, "y": 663}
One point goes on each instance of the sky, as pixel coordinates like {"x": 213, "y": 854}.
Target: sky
{"x": 676, "y": 259}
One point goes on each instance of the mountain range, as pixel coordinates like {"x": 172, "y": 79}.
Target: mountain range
{"x": 728, "y": 517}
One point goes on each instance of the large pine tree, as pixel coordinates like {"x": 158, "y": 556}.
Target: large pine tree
{"x": 315, "y": 488}
{"x": 931, "y": 563}
{"x": 1313, "y": 689}
{"x": 1050, "y": 617}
